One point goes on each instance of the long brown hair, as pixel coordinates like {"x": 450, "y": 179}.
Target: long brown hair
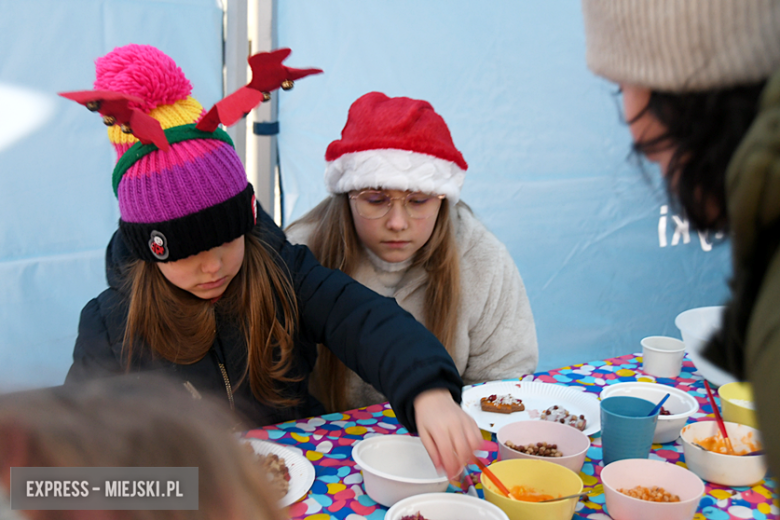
{"x": 181, "y": 327}
{"x": 336, "y": 245}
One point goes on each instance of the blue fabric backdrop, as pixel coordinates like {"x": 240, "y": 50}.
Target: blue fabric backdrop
{"x": 547, "y": 153}
{"x": 57, "y": 209}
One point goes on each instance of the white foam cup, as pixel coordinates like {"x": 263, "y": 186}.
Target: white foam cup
{"x": 662, "y": 356}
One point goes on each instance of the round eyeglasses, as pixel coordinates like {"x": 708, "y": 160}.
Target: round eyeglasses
{"x": 373, "y": 204}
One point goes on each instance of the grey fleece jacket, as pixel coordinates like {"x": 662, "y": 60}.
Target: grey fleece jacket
{"x": 496, "y": 335}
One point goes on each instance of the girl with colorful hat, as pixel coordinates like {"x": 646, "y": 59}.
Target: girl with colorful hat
{"x": 395, "y": 223}
{"x": 203, "y": 285}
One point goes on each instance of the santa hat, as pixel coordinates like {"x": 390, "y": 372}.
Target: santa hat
{"x": 396, "y": 144}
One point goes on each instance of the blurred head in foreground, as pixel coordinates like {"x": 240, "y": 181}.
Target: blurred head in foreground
{"x": 124, "y": 422}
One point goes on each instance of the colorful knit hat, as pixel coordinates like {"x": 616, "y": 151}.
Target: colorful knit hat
{"x": 182, "y": 188}
{"x": 396, "y": 144}
{"x": 683, "y": 45}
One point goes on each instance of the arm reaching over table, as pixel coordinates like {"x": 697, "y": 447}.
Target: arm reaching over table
{"x": 448, "y": 433}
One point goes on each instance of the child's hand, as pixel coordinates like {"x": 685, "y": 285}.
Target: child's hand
{"x": 448, "y": 433}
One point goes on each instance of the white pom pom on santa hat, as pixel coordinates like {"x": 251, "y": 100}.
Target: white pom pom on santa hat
{"x": 396, "y": 144}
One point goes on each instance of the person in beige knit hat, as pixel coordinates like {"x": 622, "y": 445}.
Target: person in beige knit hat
{"x": 700, "y": 81}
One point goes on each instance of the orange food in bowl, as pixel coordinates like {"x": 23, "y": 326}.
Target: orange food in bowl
{"x": 651, "y": 494}
{"x": 527, "y": 494}
{"x": 717, "y": 444}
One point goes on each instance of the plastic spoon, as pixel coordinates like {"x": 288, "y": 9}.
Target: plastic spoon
{"x": 659, "y": 405}
{"x": 597, "y": 490}
{"x": 501, "y": 487}
{"x": 749, "y": 454}
{"x": 469, "y": 484}
{"x": 719, "y": 419}
{"x": 753, "y": 453}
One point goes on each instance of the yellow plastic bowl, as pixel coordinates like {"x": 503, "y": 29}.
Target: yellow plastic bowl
{"x": 543, "y": 477}
{"x": 735, "y": 411}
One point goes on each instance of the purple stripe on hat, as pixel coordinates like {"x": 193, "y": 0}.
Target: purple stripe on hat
{"x": 184, "y": 152}
{"x": 192, "y": 176}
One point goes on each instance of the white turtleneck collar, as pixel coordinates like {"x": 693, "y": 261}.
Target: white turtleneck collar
{"x": 388, "y": 267}
{"x": 381, "y": 276}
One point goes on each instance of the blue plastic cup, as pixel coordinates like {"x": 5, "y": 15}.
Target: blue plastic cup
{"x": 626, "y": 429}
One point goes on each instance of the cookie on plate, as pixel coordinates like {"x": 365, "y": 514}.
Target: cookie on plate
{"x": 501, "y": 404}
{"x": 558, "y": 414}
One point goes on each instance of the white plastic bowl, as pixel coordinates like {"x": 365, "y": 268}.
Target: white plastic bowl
{"x": 572, "y": 443}
{"x": 696, "y": 326}
{"x": 681, "y": 405}
{"x": 726, "y": 470}
{"x": 629, "y": 473}
{"x": 396, "y": 467}
{"x": 445, "y": 506}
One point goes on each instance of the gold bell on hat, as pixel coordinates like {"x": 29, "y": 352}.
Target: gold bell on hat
{"x": 93, "y": 106}
{"x": 266, "y": 96}
{"x": 126, "y": 128}
{"x": 109, "y": 120}
{"x": 287, "y": 84}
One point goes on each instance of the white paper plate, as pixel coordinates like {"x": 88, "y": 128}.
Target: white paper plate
{"x": 537, "y": 397}
{"x": 300, "y": 468}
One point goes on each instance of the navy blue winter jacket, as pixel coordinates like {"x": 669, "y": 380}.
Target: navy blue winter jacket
{"x": 371, "y": 334}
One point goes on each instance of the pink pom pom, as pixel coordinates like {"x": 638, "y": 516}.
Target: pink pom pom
{"x": 143, "y": 71}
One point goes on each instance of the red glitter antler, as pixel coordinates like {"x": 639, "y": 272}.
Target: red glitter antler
{"x": 116, "y": 109}
{"x": 268, "y": 74}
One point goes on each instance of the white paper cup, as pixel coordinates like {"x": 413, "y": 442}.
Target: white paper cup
{"x": 662, "y": 356}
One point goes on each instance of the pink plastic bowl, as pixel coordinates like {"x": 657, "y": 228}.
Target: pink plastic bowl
{"x": 628, "y": 473}
{"x": 571, "y": 442}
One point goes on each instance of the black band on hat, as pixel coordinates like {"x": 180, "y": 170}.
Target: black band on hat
{"x": 186, "y": 236}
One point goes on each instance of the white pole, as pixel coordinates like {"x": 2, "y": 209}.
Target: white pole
{"x": 261, "y": 149}
{"x": 236, "y": 53}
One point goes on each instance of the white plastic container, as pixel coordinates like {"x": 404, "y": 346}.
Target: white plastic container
{"x": 696, "y": 326}
{"x": 726, "y": 470}
{"x": 662, "y": 356}
{"x": 396, "y": 467}
{"x": 445, "y": 505}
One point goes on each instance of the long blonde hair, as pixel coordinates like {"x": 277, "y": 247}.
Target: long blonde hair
{"x": 336, "y": 245}
{"x": 181, "y": 328}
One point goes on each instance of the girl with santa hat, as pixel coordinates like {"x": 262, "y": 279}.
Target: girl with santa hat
{"x": 394, "y": 222}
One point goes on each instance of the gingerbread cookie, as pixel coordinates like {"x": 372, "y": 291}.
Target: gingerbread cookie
{"x": 501, "y": 404}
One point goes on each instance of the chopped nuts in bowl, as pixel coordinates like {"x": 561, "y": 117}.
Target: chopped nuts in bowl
{"x": 543, "y": 440}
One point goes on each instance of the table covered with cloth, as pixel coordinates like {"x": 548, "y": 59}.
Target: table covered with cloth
{"x": 338, "y": 494}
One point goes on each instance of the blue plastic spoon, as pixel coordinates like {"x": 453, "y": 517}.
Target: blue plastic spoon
{"x": 659, "y": 405}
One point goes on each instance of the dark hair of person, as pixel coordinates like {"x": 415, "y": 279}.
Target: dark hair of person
{"x": 704, "y": 129}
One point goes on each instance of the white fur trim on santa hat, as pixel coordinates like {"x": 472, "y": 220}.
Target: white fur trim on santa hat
{"x": 395, "y": 170}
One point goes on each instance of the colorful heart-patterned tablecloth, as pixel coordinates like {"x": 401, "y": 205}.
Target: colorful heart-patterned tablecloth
{"x": 337, "y": 492}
